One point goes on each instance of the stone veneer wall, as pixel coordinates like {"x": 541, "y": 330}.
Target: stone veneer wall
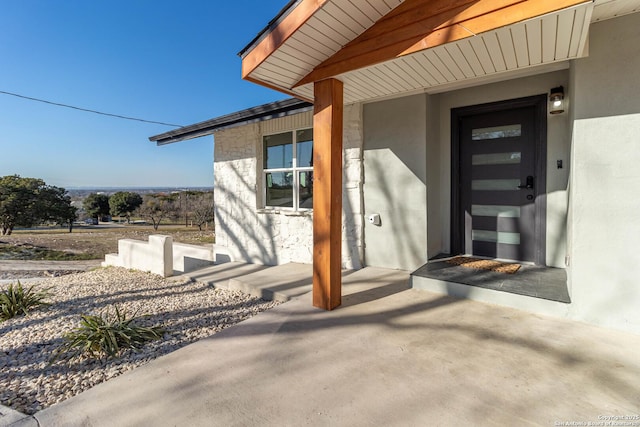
{"x": 257, "y": 235}
{"x": 352, "y": 180}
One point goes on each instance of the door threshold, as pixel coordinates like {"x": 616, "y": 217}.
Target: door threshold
{"x": 530, "y": 280}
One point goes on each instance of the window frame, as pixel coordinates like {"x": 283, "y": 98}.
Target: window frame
{"x": 294, "y": 169}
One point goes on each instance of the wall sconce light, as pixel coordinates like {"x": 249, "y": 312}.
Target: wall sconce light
{"x": 556, "y": 100}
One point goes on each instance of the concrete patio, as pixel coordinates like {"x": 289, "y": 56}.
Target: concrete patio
{"x": 388, "y": 356}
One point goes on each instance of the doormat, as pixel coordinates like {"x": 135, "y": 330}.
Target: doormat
{"x": 484, "y": 264}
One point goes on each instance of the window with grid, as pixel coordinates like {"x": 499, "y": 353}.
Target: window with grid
{"x": 288, "y": 170}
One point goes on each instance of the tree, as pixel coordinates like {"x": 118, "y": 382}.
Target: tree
{"x": 28, "y": 201}
{"x": 123, "y": 203}
{"x": 17, "y": 199}
{"x": 202, "y": 210}
{"x": 54, "y": 204}
{"x": 185, "y": 205}
{"x": 156, "y": 207}
{"x": 96, "y": 205}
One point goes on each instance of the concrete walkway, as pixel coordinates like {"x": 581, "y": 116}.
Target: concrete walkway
{"x": 20, "y": 265}
{"x": 389, "y": 356}
{"x": 32, "y": 271}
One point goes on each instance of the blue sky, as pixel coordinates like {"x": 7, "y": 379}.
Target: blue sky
{"x": 160, "y": 60}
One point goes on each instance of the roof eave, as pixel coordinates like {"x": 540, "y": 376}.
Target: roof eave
{"x": 256, "y": 114}
{"x": 270, "y": 27}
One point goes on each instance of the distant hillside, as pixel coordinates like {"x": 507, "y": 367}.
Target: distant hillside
{"x": 81, "y": 193}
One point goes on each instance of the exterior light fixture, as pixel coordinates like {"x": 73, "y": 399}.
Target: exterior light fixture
{"x": 556, "y": 100}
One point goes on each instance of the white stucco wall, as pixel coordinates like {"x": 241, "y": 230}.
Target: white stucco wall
{"x": 604, "y": 270}
{"x": 154, "y": 255}
{"x": 256, "y": 235}
{"x": 395, "y": 182}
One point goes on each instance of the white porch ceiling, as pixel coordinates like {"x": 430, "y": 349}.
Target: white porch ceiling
{"x": 607, "y": 9}
{"x": 540, "y": 42}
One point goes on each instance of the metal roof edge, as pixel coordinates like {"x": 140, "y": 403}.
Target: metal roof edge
{"x": 270, "y": 26}
{"x": 256, "y": 114}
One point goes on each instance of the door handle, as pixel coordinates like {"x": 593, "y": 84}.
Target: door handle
{"x": 528, "y": 185}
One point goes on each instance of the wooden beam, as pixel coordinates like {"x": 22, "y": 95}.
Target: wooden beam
{"x": 277, "y": 89}
{"x": 422, "y": 24}
{"x": 327, "y": 194}
{"x": 278, "y": 35}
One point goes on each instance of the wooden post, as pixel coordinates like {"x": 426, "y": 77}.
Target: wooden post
{"x": 327, "y": 194}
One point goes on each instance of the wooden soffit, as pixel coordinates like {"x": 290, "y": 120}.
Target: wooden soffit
{"x": 418, "y": 25}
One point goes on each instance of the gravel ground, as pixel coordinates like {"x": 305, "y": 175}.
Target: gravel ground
{"x": 188, "y": 311}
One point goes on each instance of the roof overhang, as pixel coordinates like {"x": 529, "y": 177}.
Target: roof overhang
{"x": 260, "y": 113}
{"x": 384, "y": 48}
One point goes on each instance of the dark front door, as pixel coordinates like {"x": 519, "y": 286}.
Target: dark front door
{"x": 499, "y": 184}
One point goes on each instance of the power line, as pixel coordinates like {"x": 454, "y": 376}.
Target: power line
{"x": 88, "y": 110}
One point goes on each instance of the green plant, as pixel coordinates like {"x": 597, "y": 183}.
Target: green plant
{"x": 16, "y": 300}
{"x": 99, "y": 335}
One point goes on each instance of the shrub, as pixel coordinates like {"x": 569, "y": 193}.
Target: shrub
{"x": 100, "y": 335}
{"x": 16, "y": 300}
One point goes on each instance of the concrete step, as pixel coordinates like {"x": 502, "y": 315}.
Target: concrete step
{"x": 278, "y": 283}
{"x": 218, "y": 275}
{"x": 507, "y": 299}
{"x": 288, "y": 281}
